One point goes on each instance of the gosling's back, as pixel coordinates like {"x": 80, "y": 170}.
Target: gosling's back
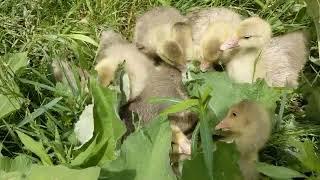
{"x": 163, "y": 81}
{"x": 202, "y": 18}
{"x": 284, "y": 58}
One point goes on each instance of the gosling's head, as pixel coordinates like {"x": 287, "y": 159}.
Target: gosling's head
{"x": 252, "y": 32}
{"x": 211, "y": 41}
{"x": 210, "y": 54}
{"x": 177, "y": 49}
{"x": 244, "y": 117}
{"x": 171, "y": 52}
{"x": 105, "y": 70}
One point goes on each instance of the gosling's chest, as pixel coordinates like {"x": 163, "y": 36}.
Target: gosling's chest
{"x": 241, "y": 69}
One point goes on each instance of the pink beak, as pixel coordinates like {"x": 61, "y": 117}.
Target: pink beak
{"x": 204, "y": 66}
{"x": 229, "y": 44}
{"x": 222, "y": 125}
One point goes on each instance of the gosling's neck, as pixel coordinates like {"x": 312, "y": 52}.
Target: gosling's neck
{"x": 247, "y": 141}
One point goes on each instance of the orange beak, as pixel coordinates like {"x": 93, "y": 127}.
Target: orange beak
{"x": 229, "y": 44}
{"x": 223, "y": 125}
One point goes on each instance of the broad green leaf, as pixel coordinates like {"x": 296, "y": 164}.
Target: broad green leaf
{"x": 20, "y": 163}
{"x": 12, "y": 62}
{"x": 35, "y": 147}
{"x": 144, "y": 155}
{"x": 8, "y": 105}
{"x": 16, "y": 168}
{"x": 41, "y": 110}
{"x": 313, "y": 8}
{"x": 225, "y": 162}
{"x": 226, "y": 93}
{"x": 180, "y": 106}
{"x": 195, "y": 169}
{"x": 82, "y": 157}
{"x": 63, "y": 173}
{"x": 306, "y": 154}
{"x": 225, "y": 165}
{"x": 206, "y": 143}
{"x": 15, "y": 61}
{"x": 16, "y": 175}
{"x": 278, "y": 172}
{"x": 83, "y": 38}
{"x": 108, "y": 128}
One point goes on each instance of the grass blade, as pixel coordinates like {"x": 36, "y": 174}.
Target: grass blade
{"x": 194, "y": 140}
{"x": 37, "y": 84}
{"x": 41, "y": 110}
{"x": 183, "y": 105}
{"x": 313, "y": 7}
{"x": 278, "y": 172}
{"x": 35, "y": 147}
{"x": 83, "y": 38}
{"x": 164, "y": 100}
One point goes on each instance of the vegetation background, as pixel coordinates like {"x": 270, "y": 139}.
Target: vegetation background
{"x": 37, "y": 115}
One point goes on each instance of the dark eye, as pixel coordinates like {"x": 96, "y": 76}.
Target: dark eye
{"x": 234, "y": 114}
{"x": 247, "y": 37}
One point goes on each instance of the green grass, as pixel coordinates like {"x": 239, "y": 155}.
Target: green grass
{"x": 50, "y": 30}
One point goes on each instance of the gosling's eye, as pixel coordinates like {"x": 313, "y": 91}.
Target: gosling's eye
{"x": 247, "y": 37}
{"x": 234, "y": 114}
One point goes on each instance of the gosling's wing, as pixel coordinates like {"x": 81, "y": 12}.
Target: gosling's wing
{"x": 153, "y": 18}
{"x": 285, "y": 57}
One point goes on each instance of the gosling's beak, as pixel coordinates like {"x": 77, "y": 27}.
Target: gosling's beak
{"x": 229, "y": 44}
{"x": 223, "y": 125}
{"x": 204, "y": 66}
